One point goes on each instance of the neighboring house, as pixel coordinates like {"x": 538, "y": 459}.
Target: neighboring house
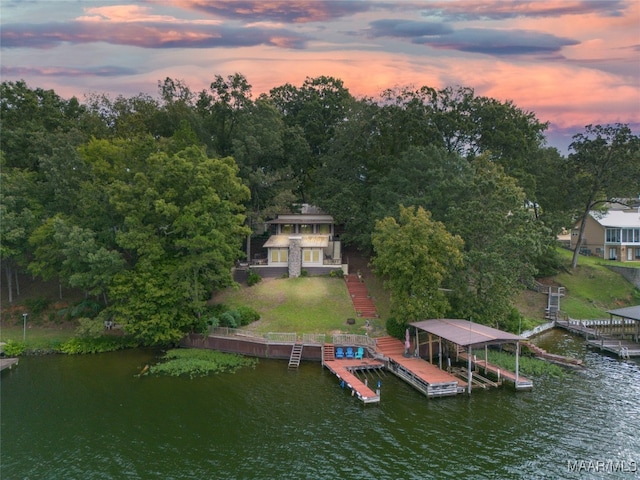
{"x": 614, "y": 235}
{"x": 306, "y": 240}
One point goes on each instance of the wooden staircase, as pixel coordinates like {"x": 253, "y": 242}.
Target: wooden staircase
{"x": 329, "y": 352}
{"x": 296, "y": 355}
{"x": 362, "y": 302}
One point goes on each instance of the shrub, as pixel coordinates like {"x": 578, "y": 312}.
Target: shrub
{"x": 13, "y": 348}
{"x": 77, "y": 345}
{"x": 37, "y": 305}
{"x": 253, "y": 278}
{"x": 90, "y": 327}
{"x": 247, "y": 315}
{"x": 396, "y": 329}
{"x": 304, "y": 273}
{"x": 336, "y": 273}
{"x": 227, "y": 319}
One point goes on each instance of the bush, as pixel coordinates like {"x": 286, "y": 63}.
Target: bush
{"x": 228, "y": 319}
{"x": 396, "y": 329}
{"x": 90, "y": 327}
{"x": 37, "y": 305}
{"x": 304, "y": 273}
{"x": 13, "y": 348}
{"x": 336, "y": 273}
{"x": 79, "y": 345}
{"x": 247, "y": 315}
{"x": 253, "y": 278}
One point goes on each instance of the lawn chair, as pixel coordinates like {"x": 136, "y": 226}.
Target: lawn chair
{"x": 360, "y": 353}
{"x": 339, "y": 352}
{"x": 349, "y": 352}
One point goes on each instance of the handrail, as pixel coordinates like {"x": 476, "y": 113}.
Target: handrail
{"x": 280, "y": 337}
{"x": 353, "y": 339}
{"x": 313, "y": 338}
{"x": 292, "y": 337}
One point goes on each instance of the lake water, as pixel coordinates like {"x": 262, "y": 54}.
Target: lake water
{"x": 91, "y": 417}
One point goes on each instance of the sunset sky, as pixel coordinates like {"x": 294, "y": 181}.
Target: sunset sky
{"x": 571, "y": 62}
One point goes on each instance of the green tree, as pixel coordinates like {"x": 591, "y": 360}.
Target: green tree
{"x": 502, "y": 240}
{"x": 605, "y": 168}
{"x": 182, "y": 231}
{"x": 416, "y": 256}
{"x": 20, "y": 214}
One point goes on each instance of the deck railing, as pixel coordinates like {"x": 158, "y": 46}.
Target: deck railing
{"x": 292, "y": 337}
{"x": 313, "y": 338}
{"x": 280, "y": 337}
{"x": 353, "y": 339}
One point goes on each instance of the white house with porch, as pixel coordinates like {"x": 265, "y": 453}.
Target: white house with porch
{"x": 305, "y": 240}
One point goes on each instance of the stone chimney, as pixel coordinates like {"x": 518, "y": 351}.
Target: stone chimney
{"x": 295, "y": 257}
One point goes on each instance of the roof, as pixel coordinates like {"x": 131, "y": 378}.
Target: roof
{"x": 306, "y": 241}
{"x": 465, "y": 333}
{"x": 302, "y": 219}
{"x": 618, "y": 218}
{"x": 632, "y": 313}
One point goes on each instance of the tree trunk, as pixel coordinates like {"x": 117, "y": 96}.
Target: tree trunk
{"x": 9, "y": 275}
{"x": 576, "y": 251}
{"x": 17, "y": 283}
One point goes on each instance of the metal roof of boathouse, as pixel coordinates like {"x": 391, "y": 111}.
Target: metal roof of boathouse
{"x": 465, "y": 333}
{"x": 632, "y": 313}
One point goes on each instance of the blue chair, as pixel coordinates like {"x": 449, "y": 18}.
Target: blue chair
{"x": 360, "y": 353}
{"x": 349, "y": 352}
{"x": 339, "y": 352}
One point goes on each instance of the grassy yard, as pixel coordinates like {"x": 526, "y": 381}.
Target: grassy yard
{"x": 592, "y": 289}
{"x": 303, "y": 305}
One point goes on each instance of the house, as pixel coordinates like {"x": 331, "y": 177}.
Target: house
{"x": 300, "y": 241}
{"x": 614, "y": 235}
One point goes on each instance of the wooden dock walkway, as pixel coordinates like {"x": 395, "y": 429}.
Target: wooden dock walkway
{"x": 593, "y": 330}
{"x": 7, "y": 363}
{"x": 419, "y": 373}
{"x": 362, "y": 302}
{"x": 345, "y": 370}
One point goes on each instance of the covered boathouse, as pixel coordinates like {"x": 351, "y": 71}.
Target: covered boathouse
{"x": 456, "y": 338}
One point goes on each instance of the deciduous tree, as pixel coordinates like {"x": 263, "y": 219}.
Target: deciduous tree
{"x": 416, "y": 256}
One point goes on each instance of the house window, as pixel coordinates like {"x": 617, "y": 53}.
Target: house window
{"x": 286, "y": 228}
{"x": 613, "y": 254}
{"x": 637, "y": 253}
{"x": 279, "y": 255}
{"x": 306, "y": 228}
{"x": 324, "y": 229}
{"x": 311, "y": 255}
{"x": 613, "y": 235}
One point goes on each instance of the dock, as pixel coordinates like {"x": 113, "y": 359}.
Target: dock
{"x": 7, "y": 363}
{"x": 345, "y": 369}
{"x": 422, "y": 375}
{"x": 616, "y": 336}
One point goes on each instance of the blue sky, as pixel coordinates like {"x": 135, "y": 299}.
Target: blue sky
{"x": 571, "y": 62}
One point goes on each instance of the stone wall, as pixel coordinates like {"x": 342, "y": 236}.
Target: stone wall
{"x": 631, "y": 274}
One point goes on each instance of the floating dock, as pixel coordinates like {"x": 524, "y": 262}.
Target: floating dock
{"x": 346, "y": 368}
{"x": 607, "y": 335}
{"x": 7, "y": 363}
{"x": 419, "y": 373}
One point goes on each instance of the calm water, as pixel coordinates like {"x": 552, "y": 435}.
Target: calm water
{"x": 91, "y": 417}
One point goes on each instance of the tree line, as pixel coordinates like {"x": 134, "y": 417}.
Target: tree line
{"x": 143, "y": 202}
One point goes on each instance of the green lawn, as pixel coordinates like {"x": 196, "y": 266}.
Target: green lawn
{"x": 302, "y": 305}
{"x": 37, "y": 337}
{"x": 592, "y": 288}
